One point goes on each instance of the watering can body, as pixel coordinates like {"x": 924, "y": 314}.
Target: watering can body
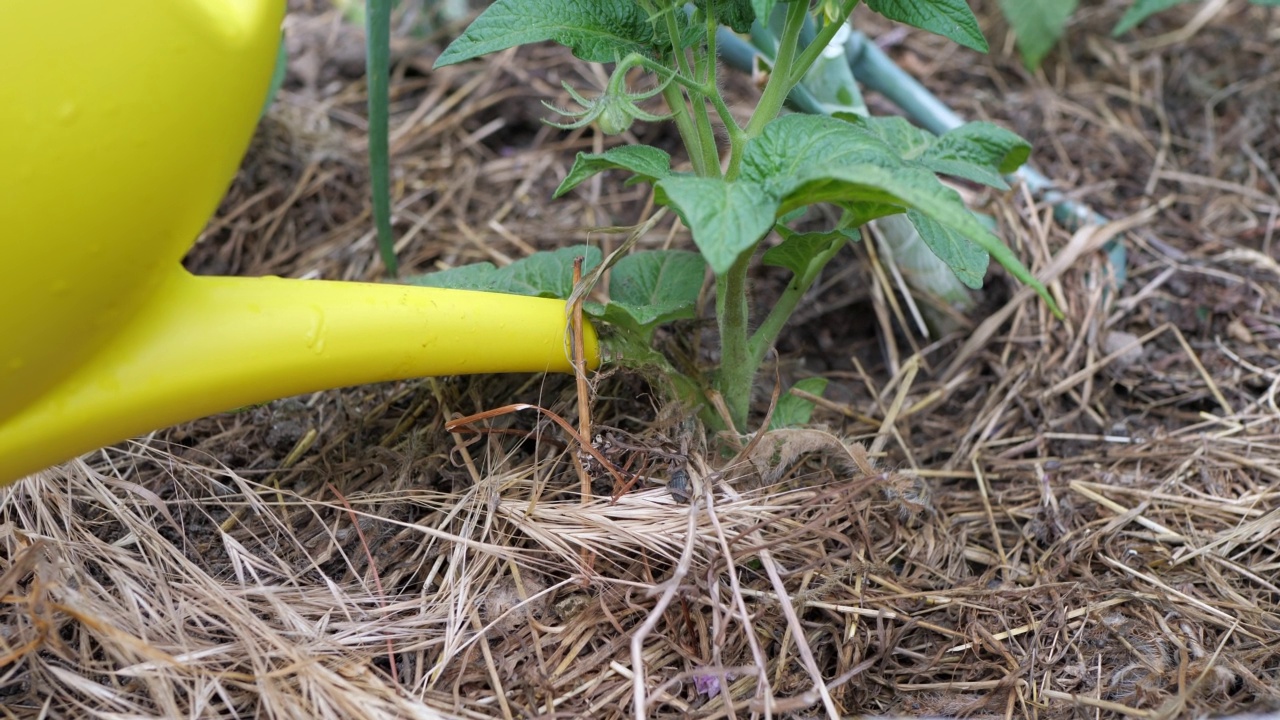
{"x": 121, "y": 126}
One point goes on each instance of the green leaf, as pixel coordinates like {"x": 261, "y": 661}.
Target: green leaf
{"x": 650, "y": 288}
{"x": 981, "y": 143}
{"x": 542, "y": 274}
{"x": 949, "y": 18}
{"x": 857, "y": 214}
{"x": 797, "y": 249}
{"x": 1038, "y": 25}
{"x": 792, "y": 411}
{"x": 648, "y": 164}
{"x": 805, "y": 159}
{"x": 617, "y": 316}
{"x": 736, "y": 14}
{"x": 763, "y": 9}
{"x": 1141, "y": 10}
{"x": 792, "y": 147}
{"x": 480, "y": 276}
{"x": 907, "y": 140}
{"x": 598, "y": 31}
{"x": 726, "y": 218}
{"x": 965, "y": 258}
{"x": 550, "y": 274}
{"x": 794, "y": 215}
{"x": 657, "y": 285}
{"x": 977, "y": 151}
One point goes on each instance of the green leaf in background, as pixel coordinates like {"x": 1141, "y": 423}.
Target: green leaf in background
{"x": 763, "y": 8}
{"x": 797, "y": 249}
{"x": 647, "y": 163}
{"x": 726, "y": 218}
{"x": 1141, "y": 10}
{"x": 736, "y": 14}
{"x": 652, "y": 287}
{"x": 598, "y": 31}
{"x": 1038, "y": 25}
{"x": 830, "y": 79}
{"x": 543, "y": 274}
{"x": 949, "y": 18}
{"x": 966, "y": 259}
{"x": 792, "y": 411}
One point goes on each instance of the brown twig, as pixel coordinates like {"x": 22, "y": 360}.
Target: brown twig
{"x": 458, "y": 424}
{"x": 580, "y": 372}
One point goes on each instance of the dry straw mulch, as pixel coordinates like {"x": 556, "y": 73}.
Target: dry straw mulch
{"x": 1056, "y": 518}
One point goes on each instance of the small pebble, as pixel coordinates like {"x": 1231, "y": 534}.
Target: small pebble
{"x": 1117, "y": 340}
{"x": 679, "y": 486}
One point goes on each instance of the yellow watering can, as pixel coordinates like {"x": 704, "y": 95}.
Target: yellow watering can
{"x": 121, "y": 125}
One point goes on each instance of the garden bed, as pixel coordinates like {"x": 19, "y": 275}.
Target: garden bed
{"x": 1064, "y": 518}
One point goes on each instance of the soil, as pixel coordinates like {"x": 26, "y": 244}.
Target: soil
{"x": 1074, "y": 517}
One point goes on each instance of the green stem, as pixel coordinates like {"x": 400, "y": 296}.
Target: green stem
{"x": 690, "y": 134}
{"x": 820, "y": 42}
{"x": 705, "y": 73}
{"x": 702, "y": 90}
{"x": 736, "y": 136}
{"x": 680, "y": 113}
{"x": 702, "y": 121}
{"x": 673, "y": 31}
{"x": 741, "y": 55}
{"x": 780, "y": 82}
{"x": 767, "y": 334}
{"x": 737, "y": 366}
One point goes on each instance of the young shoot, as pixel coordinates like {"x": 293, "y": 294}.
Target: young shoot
{"x": 614, "y": 111}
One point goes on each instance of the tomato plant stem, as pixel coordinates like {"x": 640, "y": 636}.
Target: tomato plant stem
{"x": 737, "y": 365}
{"x": 684, "y": 125}
{"x": 702, "y": 152}
{"x": 705, "y": 73}
{"x": 820, "y": 42}
{"x": 765, "y": 336}
{"x": 780, "y": 80}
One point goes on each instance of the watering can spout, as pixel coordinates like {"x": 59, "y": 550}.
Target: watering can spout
{"x": 211, "y": 344}
{"x": 121, "y": 125}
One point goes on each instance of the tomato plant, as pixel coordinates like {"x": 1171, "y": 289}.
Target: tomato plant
{"x": 746, "y": 185}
